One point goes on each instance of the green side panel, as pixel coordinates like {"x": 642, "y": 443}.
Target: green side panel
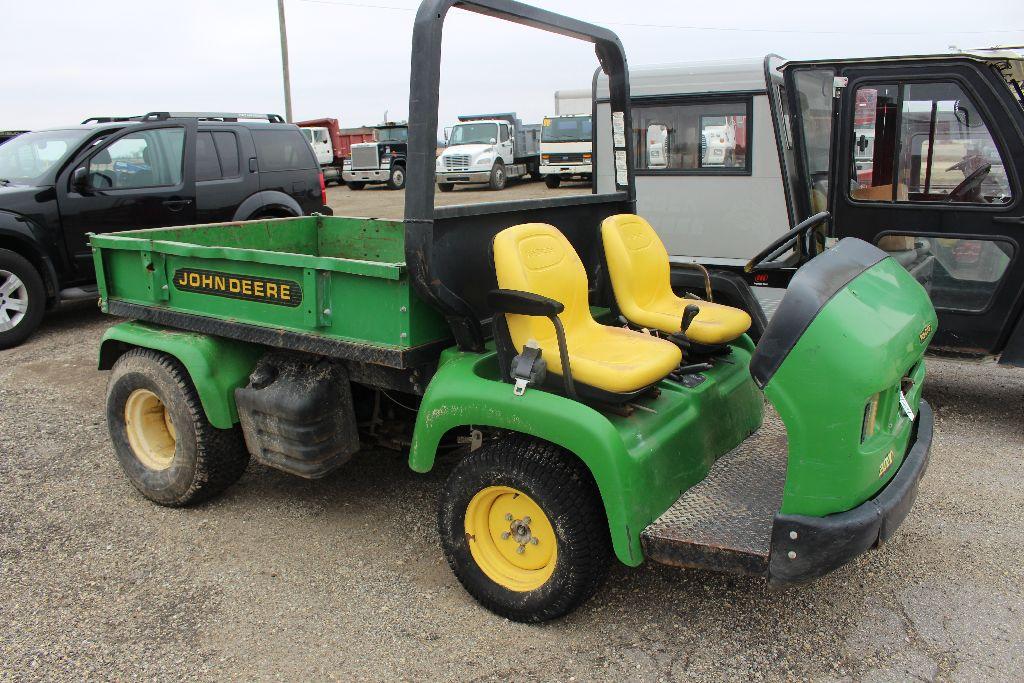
{"x": 864, "y": 341}
{"x": 346, "y": 277}
{"x": 217, "y": 366}
{"x": 641, "y": 463}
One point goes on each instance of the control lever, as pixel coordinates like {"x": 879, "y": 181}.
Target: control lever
{"x": 689, "y": 313}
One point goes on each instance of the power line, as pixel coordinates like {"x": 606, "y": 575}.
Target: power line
{"x": 687, "y": 27}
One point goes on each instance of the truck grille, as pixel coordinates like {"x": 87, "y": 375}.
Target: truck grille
{"x": 456, "y": 162}
{"x": 567, "y": 158}
{"x": 364, "y": 158}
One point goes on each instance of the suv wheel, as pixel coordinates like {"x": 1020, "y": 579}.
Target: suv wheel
{"x": 397, "y": 179}
{"x": 22, "y": 299}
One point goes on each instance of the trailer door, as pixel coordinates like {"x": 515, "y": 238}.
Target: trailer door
{"x": 927, "y": 165}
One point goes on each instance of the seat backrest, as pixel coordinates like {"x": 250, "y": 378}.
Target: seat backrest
{"x": 537, "y": 258}
{"x": 637, "y": 261}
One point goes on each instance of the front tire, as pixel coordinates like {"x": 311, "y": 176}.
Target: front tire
{"x": 552, "y": 181}
{"x": 498, "y": 177}
{"x": 396, "y": 181}
{"x": 523, "y": 529}
{"x": 22, "y": 299}
{"x": 446, "y": 187}
{"x": 356, "y": 185}
{"x": 163, "y": 441}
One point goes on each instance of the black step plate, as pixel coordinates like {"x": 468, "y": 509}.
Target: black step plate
{"x": 724, "y": 523}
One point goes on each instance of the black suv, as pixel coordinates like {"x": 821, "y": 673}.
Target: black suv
{"x": 150, "y": 171}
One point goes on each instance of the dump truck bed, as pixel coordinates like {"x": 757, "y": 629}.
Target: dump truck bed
{"x": 330, "y": 285}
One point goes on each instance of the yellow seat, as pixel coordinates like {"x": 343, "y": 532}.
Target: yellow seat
{"x": 537, "y": 258}
{"x": 639, "y": 270}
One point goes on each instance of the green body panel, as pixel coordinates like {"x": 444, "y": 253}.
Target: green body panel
{"x": 864, "y": 341}
{"x": 350, "y": 271}
{"x": 641, "y": 463}
{"x": 217, "y": 366}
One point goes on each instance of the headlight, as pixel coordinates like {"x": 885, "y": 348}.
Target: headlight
{"x": 440, "y": 164}
{"x": 867, "y": 428}
{"x": 483, "y": 160}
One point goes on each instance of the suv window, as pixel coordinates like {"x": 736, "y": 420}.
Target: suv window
{"x": 148, "y": 158}
{"x": 924, "y": 142}
{"x": 216, "y": 155}
{"x": 283, "y": 150}
{"x": 693, "y": 137}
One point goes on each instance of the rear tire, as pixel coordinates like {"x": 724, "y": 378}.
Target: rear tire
{"x": 163, "y": 441}
{"x": 22, "y": 299}
{"x": 446, "y": 187}
{"x": 551, "y": 498}
{"x": 356, "y": 185}
{"x": 552, "y": 181}
{"x": 498, "y": 177}
{"x": 396, "y": 181}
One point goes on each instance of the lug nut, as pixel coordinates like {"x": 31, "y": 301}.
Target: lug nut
{"x": 534, "y": 541}
{"x": 521, "y": 549}
{"x": 505, "y": 535}
{"x": 526, "y": 521}
{"x": 508, "y": 516}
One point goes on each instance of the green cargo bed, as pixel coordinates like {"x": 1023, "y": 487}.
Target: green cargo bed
{"x": 330, "y": 285}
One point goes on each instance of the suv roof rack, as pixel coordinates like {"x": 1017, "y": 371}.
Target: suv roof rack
{"x": 109, "y": 119}
{"x": 211, "y": 116}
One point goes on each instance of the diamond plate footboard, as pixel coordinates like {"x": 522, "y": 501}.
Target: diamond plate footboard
{"x": 724, "y": 523}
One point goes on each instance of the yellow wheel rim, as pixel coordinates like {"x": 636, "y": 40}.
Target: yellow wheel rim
{"x": 151, "y": 432}
{"x": 510, "y": 538}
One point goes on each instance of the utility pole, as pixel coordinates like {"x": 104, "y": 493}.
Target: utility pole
{"x": 284, "y": 63}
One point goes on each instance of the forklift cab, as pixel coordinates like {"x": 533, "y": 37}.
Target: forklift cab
{"x": 923, "y": 157}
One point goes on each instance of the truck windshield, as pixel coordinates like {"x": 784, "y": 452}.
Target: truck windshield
{"x": 393, "y": 135}
{"x": 28, "y": 158}
{"x": 474, "y": 134}
{"x": 567, "y": 129}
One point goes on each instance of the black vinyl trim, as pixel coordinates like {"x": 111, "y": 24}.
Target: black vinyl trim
{"x": 400, "y": 359}
{"x": 822, "y": 544}
{"x": 809, "y": 291}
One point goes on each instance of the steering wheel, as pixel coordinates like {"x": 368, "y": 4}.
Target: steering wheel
{"x": 969, "y": 184}
{"x": 784, "y": 243}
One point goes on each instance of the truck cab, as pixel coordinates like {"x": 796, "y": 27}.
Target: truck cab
{"x": 381, "y": 161}
{"x": 566, "y": 149}
{"x": 490, "y": 149}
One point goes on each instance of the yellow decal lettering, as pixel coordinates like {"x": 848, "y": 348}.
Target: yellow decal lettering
{"x": 218, "y": 282}
{"x": 183, "y": 282}
{"x": 247, "y": 287}
{"x": 886, "y": 463}
{"x": 234, "y": 286}
{"x": 286, "y": 292}
{"x": 272, "y": 290}
{"x": 193, "y": 279}
{"x": 257, "y": 288}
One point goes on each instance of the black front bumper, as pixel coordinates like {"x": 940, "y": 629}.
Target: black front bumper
{"x": 805, "y": 547}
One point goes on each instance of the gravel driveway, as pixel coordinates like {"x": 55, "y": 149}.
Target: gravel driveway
{"x": 343, "y": 578}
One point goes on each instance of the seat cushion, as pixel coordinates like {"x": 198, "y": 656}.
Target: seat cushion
{"x": 640, "y": 273}
{"x": 538, "y": 258}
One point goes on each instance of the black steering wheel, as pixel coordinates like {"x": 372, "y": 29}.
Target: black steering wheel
{"x": 969, "y": 184}
{"x": 784, "y": 243}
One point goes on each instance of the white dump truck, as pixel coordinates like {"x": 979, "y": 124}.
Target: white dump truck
{"x": 566, "y": 149}
{"x": 489, "y": 148}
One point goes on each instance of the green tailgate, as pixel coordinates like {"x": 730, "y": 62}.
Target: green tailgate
{"x": 328, "y": 276}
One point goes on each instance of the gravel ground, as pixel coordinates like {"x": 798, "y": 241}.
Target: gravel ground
{"x": 343, "y": 578}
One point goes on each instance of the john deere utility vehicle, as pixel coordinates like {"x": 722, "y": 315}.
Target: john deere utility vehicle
{"x": 601, "y": 414}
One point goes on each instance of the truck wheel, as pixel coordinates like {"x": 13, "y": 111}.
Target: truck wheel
{"x": 396, "y": 181}
{"x": 498, "y": 177}
{"x": 356, "y": 185}
{"x": 523, "y": 528}
{"x": 446, "y": 187}
{"x": 552, "y": 181}
{"x": 22, "y": 299}
{"x": 161, "y": 436}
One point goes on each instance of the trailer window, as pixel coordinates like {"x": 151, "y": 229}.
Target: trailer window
{"x": 692, "y": 137}
{"x": 814, "y": 103}
{"x": 924, "y": 142}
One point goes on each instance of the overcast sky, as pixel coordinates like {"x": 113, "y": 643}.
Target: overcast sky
{"x": 64, "y": 60}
